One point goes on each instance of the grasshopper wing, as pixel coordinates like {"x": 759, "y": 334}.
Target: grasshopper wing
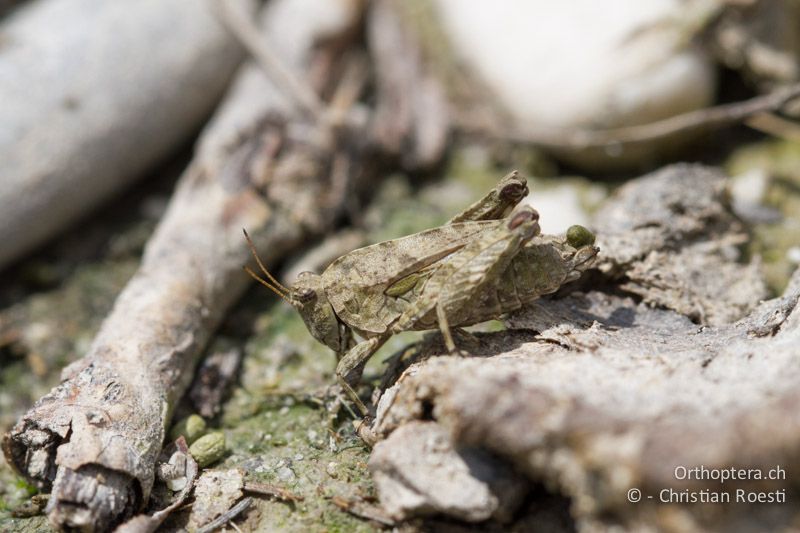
{"x": 356, "y": 283}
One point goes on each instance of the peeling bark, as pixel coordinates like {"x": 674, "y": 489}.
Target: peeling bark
{"x": 672, "y": 239}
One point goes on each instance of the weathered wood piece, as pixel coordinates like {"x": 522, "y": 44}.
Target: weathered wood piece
{"x": 671, "y": 237}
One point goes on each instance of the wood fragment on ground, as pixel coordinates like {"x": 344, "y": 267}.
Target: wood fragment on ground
{"x": 411, "y": 120}
{"x": 269, "y": 489}
{"x": 216, "y": 493}
{"x": 149, "y": 523}
{"x": 469, "y": 484}
{"x": 229, "y": 515}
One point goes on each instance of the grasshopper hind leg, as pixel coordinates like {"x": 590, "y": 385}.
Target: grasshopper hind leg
{"x": 447, "y": 333}
{"x": 498, "y": 202}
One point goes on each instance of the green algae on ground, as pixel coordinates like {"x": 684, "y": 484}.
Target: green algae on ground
{"x": 13, "y": 490}
{"x": 35, "y": 524}
{"x": 277, "y": 425}
{"x": 287, "y": 443}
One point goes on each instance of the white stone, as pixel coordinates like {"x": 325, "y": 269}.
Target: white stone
{"x": 583, "y": 63}
{"x": 559, "y": 208}
{"x": 749, "y": 187}
{"x": 793, "y": 254}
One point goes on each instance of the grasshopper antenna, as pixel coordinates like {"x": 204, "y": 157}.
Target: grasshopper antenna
{"x": 276, "y": 287}
{"x": 264, "y": 283}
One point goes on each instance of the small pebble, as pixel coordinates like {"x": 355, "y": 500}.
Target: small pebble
{"x": 285, "y": 474}
{"x": 331, "y": 469}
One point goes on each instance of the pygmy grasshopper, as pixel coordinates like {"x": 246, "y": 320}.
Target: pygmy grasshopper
{"x": 483, "y": 263}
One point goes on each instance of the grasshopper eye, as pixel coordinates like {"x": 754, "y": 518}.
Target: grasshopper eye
{"x": 306, "y": 295}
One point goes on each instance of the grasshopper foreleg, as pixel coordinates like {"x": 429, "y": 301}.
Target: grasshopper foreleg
{"x": 351, "y": 365}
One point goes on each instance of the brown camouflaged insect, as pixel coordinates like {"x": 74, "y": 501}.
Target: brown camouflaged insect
{"x": 485, "y": 262}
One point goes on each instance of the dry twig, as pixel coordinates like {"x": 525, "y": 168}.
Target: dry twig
{"x": 232, "y": 513}
{"x": 245, "y": 30}
{"x": 268, "y": 489}
{"x": 701, "y": 120}
{"x": 364, "y": 510}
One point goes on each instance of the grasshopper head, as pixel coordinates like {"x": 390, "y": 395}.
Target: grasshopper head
{"x": 308, "y": 297}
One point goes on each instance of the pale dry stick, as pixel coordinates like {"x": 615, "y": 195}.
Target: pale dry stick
{"x": 411, "y": 118}
{"x": 294, "y": 87}
{"x": 704, "y": 119}
{"x": 341, "y": 109}
{"x": 352, "y": 84}
{"x": 244, "y": 29}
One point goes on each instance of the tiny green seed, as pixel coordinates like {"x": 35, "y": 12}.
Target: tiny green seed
{"x": 578, "y": 237}
{"x": 208, "y": 448}
{"x": 192, "y": 428}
